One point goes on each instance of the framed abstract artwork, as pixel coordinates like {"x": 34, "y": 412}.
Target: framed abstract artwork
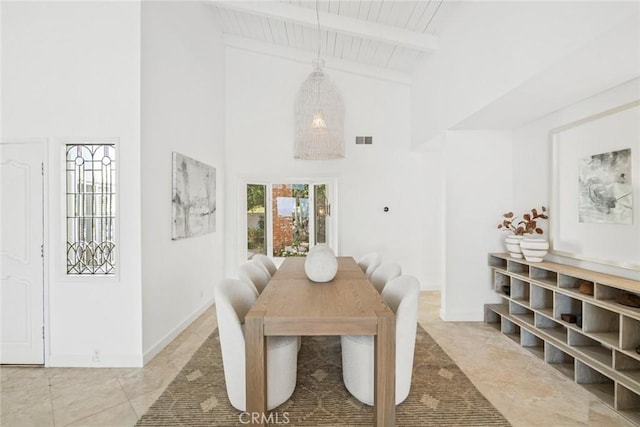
{"x": 193, "y": 199}
{"x": 595, "y": 209}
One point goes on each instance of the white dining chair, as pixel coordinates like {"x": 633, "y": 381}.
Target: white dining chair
{"x": 265, "y": 262}
{"x": 252, "y": 272}
{"x": 383, "y": 274}
{"x": 233, "y": 299}
{"x": 401, "y": 295}
{"x": 369, "y": 262}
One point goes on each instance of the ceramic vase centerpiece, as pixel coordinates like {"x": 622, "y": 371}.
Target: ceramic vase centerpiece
{"x": 512, "y": 243}
{"x": 534, "y": 248}
{"x": 321, "y": 264}
{"x": 520, "y": 230}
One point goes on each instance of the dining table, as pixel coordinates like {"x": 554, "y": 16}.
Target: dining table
{"x": 291, "y": 304}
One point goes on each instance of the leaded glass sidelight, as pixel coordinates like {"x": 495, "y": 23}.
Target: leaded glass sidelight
{"x": 91, "y": 207}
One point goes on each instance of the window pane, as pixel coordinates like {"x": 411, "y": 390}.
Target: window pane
{"x": 290, "y": 219}
{"x": 91, "y": 187}
{"x": 256, "y": 236}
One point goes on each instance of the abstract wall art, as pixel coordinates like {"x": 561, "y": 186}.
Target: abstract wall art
{"x": 605, "y": 194}
{"x": 193, "y": 198}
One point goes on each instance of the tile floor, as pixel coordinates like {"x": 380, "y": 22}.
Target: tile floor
{"x": 526, "y": 390}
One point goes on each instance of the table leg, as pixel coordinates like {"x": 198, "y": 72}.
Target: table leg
{"x": 384, "y": 400}
{"x": 256, "y": 369}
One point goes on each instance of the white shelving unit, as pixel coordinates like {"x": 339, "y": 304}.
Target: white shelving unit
{"x": 598, "y": 351}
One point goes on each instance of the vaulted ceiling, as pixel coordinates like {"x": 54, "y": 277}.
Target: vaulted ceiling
{"x": 384, "y": 34}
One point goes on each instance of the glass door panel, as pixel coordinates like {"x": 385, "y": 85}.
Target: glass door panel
{"x": 322, "y": 211}
{"x": 290, "y": 213}
{"x": 256, "y": 219}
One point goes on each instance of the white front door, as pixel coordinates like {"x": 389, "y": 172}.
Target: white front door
{"x": 21, "y": 258}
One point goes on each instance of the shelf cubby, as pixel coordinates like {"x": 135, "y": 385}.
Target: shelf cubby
{"x": 591, "y": 348}
{"x": 629, "y": 366}
{"x": 551, "y": 327}
{"x": 510, "y": 329}
{"x": 517, "y": 267}
{"x": 521, "y": 312}
{"x": 629, "y": 334}
{"x": 596, "y": 382}
{"x": 564, "y": 304}
{"x": 546, "y": 311}
{"x": 596, "y": 347}
{"x": 628, "y": 403}
{"x": 493, "y": 318}
{"x": 520, "y": 290}
{"x": 532, "y": 343}
{"x": 541, "y": 298}
{"x": 560, "y": 360}
{"x": 497, "y": 262}
{"x": 567, "y": 282}
{"x": 543, "y": 275}
{"x": 601, "y": 324}
{"x": 501, "y": 282}
{"x": 605, "y": 293}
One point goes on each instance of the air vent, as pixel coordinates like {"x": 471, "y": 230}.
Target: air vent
{"x": 364, "y": 140}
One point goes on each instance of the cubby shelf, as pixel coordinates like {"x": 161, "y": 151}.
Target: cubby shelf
{"x": 595, "y": 347}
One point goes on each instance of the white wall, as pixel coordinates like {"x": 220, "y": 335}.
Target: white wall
{"x": 488, "y": 49}
{"x": 183, "y": 111}
{"x": 259, "y": 105}
{"x": 481, "y": 79}
{"x": 433, "y": 217}
{"x": 532, "y": 155}
{"x": 478, "y": 190}
{"x": 72, "y": 70}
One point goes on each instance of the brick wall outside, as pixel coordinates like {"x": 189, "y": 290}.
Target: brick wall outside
{"x": 282, "y": 226}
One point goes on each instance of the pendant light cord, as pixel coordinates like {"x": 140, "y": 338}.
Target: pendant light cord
{"x": 318, "y": 19}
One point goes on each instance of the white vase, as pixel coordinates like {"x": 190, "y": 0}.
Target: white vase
{"x": 321, "y": 264}
{"x": 534, "y": 249}
{"x": 512, "y": 242}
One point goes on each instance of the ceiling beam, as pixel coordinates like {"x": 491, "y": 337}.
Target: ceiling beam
{"x": 305, "y": 57}
{"x": 332, "y": 22}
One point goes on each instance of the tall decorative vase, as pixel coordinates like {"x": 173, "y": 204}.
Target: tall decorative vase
{"x": 512, "y": 242}
{"x": 534, "y": 249}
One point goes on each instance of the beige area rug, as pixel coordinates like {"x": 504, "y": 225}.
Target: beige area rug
{"x": 441, "y": 395}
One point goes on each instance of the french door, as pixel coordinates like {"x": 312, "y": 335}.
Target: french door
{"x": 287, "y": 218}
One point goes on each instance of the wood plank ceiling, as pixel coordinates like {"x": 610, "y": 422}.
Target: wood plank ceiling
{"x": 387, "y": 34}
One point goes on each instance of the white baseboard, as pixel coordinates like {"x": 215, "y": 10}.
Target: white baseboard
{"x": 162, "y": 343}
{"x": 461, "y": 316}
{"x": 85, "y": 361}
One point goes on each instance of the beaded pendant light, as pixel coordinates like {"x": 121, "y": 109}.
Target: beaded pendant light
{"x": 319, "y": 115}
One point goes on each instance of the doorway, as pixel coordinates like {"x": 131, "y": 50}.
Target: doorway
{"x": 286, "y": 218}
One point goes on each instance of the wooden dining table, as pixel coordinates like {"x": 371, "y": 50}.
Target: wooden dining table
{"x": 291, "y": 304}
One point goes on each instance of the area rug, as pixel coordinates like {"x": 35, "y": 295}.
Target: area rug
{"x": 441, "y": 394}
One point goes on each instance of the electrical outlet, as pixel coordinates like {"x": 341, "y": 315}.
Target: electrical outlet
{"x": 96, "y": 355}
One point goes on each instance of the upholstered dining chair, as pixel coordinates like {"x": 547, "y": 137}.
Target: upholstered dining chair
{"x": 401, "y": 295}
{"x": 234, "y": 299}
{"x": 265, "y": 262}
{"x": 252, "y": 272}
{"x": 369, "y": 262}
{"x": 383, "y": 274}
